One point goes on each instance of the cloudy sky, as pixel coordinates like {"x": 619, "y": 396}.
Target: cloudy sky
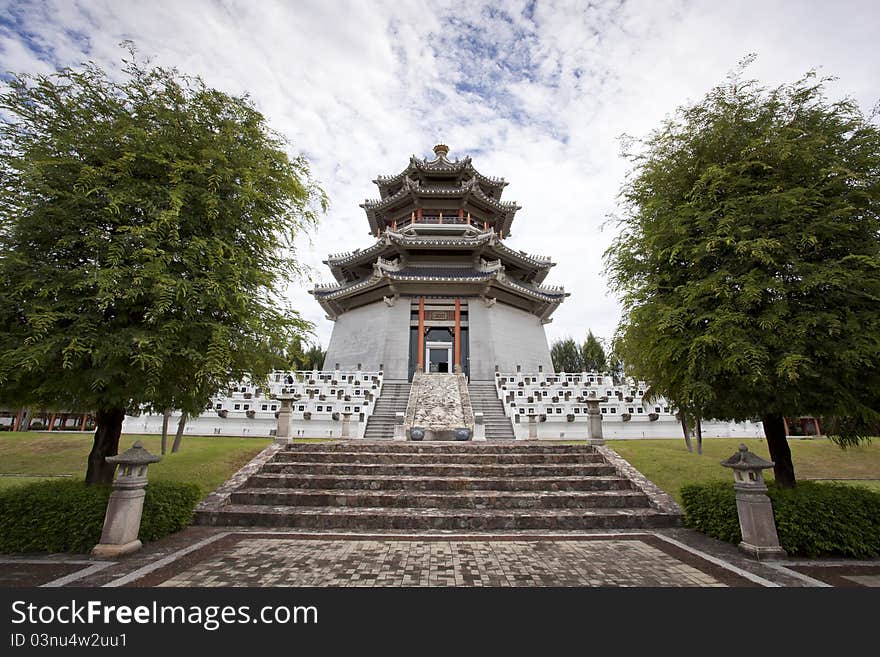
{"x": 535, "y": 92}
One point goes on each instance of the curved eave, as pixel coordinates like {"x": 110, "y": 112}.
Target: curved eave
{"x": 374, "y": 208}
{"x": 553, "y": 295}
{"x": 538, "y": 262}
{"x": 442, "y": 166}
{"x": 535, "y": 268}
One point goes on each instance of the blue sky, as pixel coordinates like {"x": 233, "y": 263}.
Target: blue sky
{"x": 536, "y": 92}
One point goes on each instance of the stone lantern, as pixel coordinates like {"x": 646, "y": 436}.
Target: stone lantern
{"x": 758, "y": 527}
{"x": 594, "y": 421}
{"x": 122, "y": 521}
{"x": 282, "y": 433}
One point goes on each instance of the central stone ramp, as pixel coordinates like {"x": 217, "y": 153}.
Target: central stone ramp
{"x": 458, "y": 486}
{"x": 439, "y": 404}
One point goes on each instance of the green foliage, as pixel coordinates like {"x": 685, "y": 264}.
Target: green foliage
{"x": 67, "y": 516}
{"x": 812, "y": 519}
{"x": 304, "y": 356}
{"x": 566, "y": 356}
{"x": 146, "y": 235}
{"x": 748, "y": 258}
{"x": 168, "y": 508}
{"x": 593, "y": 354}
{"x": 707, "y": 508}
{"x": 569, "y": 356}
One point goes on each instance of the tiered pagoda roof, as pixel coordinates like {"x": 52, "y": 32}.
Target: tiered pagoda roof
{"x": 430, "y": 185}
{"x": 439, "y": 228}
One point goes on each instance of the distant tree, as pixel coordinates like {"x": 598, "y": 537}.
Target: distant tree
{"x": 593, "y": 354}
{"x": 615, "y": 368}
{"x": 313, "y": 359}
{"x": 146, "y": 227}
{"x": 748, "y": 259}
{"x": 303, "y": 355}
{"x": 566, "y": 356}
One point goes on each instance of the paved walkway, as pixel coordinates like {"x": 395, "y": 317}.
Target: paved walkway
{"x": 203, "y": 556}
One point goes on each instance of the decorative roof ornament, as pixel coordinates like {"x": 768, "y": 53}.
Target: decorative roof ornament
{"x": 441, "y": 150}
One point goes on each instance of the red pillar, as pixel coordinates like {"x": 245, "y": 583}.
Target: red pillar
{"x": 785, "y": 422}
{"x": 83, "y": 425}
{"x": 461, "y": 215}
{"x": 421, "y": 361}
{"x": 457, "y": 334}
{"x": 16, "y": 423}
{"x": 441, "y": 216}
{"x": 419, "y": 215}
{"x": 818, "y": 430}
{"x": 51, "y": 421}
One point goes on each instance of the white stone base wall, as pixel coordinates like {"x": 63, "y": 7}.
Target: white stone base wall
{"x": 635, "y": 429}
{"x": 507, "y": 337}
{"x": 372, "y": 335}
{"x": 210, "y": 424}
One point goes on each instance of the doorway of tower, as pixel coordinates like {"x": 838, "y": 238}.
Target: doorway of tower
{"x": 437, "y": 350}
{"x": 438, "y": 356}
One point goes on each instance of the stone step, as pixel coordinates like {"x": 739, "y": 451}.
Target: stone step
{"x": 441, "y": 500}
{"x": 474, "y": 458}
{"x": 511, "y": 447}
{"x": 428, "y": 483}
{"x": 448, "y": 470}
{"x": 374, "y": 518}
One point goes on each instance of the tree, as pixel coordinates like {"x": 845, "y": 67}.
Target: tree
{"x": 146, "y": 228}
{"x": 304, "y": 355}
{"x": 748, "y": 259}
{"x": 566, "y": 356}
{"x": 615, "y": 368}
{"x": 593, "y": 354}
{"x": 178, "y": 435}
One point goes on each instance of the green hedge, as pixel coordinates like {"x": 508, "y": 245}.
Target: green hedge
{"x": 67, "y": 516}
{"x": 812, "y": 519}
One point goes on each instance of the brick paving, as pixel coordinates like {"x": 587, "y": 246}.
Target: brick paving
{"x": 211, "y": 557}
{"x": 276, "y": 561}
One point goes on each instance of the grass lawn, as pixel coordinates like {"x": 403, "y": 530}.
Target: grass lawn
{"x": 205, "y": 460}
{"x": 668, "y": 464}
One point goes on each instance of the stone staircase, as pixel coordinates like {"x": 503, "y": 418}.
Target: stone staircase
{"x": 484, "y": 398}
{"x": 463, "y": 486}
{"x": 380, "y": 425}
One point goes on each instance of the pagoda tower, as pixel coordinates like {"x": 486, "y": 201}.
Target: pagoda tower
{"x": 439, "y": 290}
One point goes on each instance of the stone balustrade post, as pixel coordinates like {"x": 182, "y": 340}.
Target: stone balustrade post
{"x": 594, "y": 423}
{"x": 754, "y": 508}
{"x": 479, "y": 426}
{"x": 399, "y": 430}
{"x": 285, "y": 414}
{"x": 122, "y": 520}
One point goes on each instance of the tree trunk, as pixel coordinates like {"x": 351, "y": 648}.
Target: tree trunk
{"x": 109, "y": 428}
{"x": 699, "y": 425}
{"x": 179, "y": 435}
{"x": 25, "y": 422}
{"x": 165, "y": 417}
{"x": 780, "y": 452}
{"x": 684, "y": 427}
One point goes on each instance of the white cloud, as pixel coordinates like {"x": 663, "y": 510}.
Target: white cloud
{"x": 538, "y": 93}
